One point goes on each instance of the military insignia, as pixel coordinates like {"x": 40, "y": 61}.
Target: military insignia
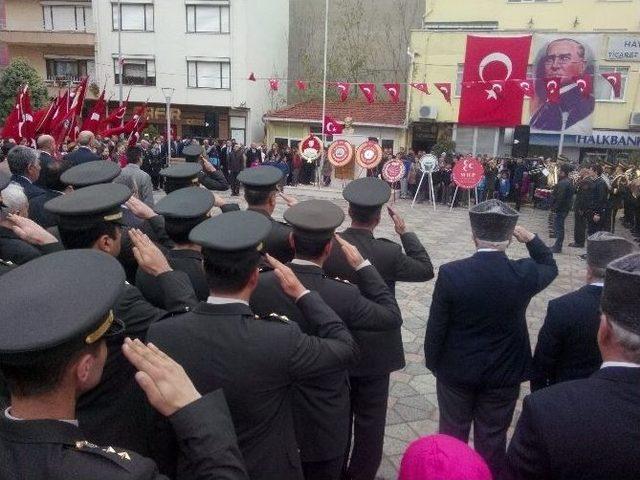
{"x": 84, "y": 444}
{"x": 109, "y": 450}
{"x": 124, "y": 456}
{"x": 338, "y": 279}
{"x": 278, "y": 318}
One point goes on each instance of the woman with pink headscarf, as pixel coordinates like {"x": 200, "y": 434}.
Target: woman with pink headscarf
{"x": 440, "y": 457}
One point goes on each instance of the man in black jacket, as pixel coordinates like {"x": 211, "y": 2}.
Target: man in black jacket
{"x": 562, "y": 200}
{"x": 49, "y": 364}
{"x": 209, "y": 176}
{"x": 567, "y": 347}
{"x": 381, "y": 352}
{"x": 84, "y": 152}
{"x": 256, "y": 361}
{"x": 583, "y": 206}
{"x": 590, "y": 428}
{"x": 597, "y": 220}
{"x": 321, "y": 405}
{"x": 46, "y": 147}
{"x": 24, "y": 163}
{"x": 476, "y": 342}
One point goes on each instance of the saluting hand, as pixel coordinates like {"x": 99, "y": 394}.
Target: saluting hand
{"x": 288, "y": 280}
{"x": 351, "y": 253}
{"x": 163, "y": 380}
{"x": 522, "y": 234}
{"x": 207, "y": 167}
{"x": 149, "y": 257}
{"x": 29, "y": 231}
{"x": 288, "y": 199}
{"x": 398, "y": 221}
{"x": 140, "y": 209}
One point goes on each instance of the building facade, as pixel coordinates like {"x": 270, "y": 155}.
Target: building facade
{"x": 610, "y": 31}
{"x": 202, "y": 49}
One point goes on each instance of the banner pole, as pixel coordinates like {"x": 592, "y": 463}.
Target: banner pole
{"x": 455, "y": 195}
{"x": 418, "y": 189}
{"x": 433, "y": 191}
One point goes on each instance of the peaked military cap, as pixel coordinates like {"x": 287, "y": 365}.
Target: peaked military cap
{"x": 186, "y": 203}
{"x": 5, "y": 180}
{"x": 367, "y": 192}
{"x": 603, "y": 248}
{"x": 315, "y": 218}
{"x": 91, "y": 173}
{"x": 31, "y": 324}
{"x": 90, "y": 205}
{"x": 239, "y": 231}
{"x": 621, "y": 293}
{"x": 180, "y": 176}
{"x": 493, "y": 221}
{"x": 192, "y": 150}
{"x": 260, "y": 178}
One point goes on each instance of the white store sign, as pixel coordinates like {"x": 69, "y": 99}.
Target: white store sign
{"x": 625, "y": 48}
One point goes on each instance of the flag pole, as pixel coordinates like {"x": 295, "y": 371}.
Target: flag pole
{"x": 324, "y": 83}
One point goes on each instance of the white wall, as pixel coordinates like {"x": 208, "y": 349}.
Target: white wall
{"x": 257, "y": 42}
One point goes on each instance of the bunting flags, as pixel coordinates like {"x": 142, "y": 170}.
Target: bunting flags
{"x": 552, "y": 86}
{"x": 615, "y": 80}
{"x": 527, "y": 87}
{"x": 369, "y": 91}
{"x": 585, "y": 85}
{"x": 423, "y": 87}
{"x": 252, "y": 77}
{"x": 445, "y": 90}
{"x": 393, "y": 89}
{"x": 344, "y": 89}
{"x": 274, "y": 84}
{"x": 302, "y": 85}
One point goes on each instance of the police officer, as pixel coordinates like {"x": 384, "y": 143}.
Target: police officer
{"x": 182, "y": 210}
{"x": 260, "y": 190}
{"x": 321, "y": 405}
{"x": 256, "y": 360}
{"x": 55, "y": 350}
{"x": 381, "y": 353}
{"x": 90, "y": 218}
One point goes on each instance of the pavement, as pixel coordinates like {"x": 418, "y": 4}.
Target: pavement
{"x": 413, "y": 406}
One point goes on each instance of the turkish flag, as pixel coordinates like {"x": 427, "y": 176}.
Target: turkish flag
{"x": 369, "y": 90}
{"x": 423, "y": 87}
{"x": 615, "y": 79}
{"x": 445, "y": 90}
{"x": 252, "y": 77}
{"x": 490, "y": 64}
{"x": 527, "y": 86}
{"x": 301, "y": 85}
{"x": 344, "y": 89}
{"x": 274, "y": 84}
{"x": 585, "y": 85}
{"x": 393, "y": 89}
{"x": 552, "y": 86}
{"x": 332, "y": 126}
{"x": 96, "y": 115}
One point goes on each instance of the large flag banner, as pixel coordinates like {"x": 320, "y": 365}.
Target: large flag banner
{"x": 565, "y": 83}
{"x": 490, "y": 94}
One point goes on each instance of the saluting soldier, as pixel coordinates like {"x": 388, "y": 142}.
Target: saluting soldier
{"x": 54, "y": 351}
{"x": 567, "y": 347}
{"x": 255, "y": 360}
{"x": 381, "y": 352}
{"x": 208, "y": 175}
{"x": 321, "y": 405}
{"x": 182, "y": 210}
{"x": 91, "y": 218}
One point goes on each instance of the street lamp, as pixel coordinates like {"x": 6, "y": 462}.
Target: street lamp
{"x": 168, "y": 93}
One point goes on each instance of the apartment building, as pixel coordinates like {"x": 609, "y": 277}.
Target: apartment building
{"x": 609, "y": 30}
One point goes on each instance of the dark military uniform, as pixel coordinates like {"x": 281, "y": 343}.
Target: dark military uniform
{"x": 381, "y": 352}
{"x": 321, "y": 405}
{"x": 256, "y": 361}
{"x": 211, "y": 181}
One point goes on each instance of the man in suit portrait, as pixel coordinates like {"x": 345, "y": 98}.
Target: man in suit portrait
{"x": 590, "y": 428}
{"x": 477, "y": 342}
{"x": 567, "y": 60}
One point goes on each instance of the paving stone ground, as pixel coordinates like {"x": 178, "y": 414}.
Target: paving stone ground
{"x": 413, "y": 406}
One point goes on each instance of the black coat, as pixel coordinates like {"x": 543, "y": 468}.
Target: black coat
{"x": 37, "y": 212}
{"x": 31, "y": 190}
{"x": 477, "y": 329}
{"x": 45, "y": 159}
{"x": 600, "y": 197}
{"x": 562, "y": 196}
{"x": 187, "y": 261}
{"x": 214, "y": 181}
{"x": 114, "y": 413}
{"x": 321, "y": 405}
{"x": 81, "y": 155}
{"x": 256, "y": 362}
{"x": 586, "y": 429}
{"x": 57, "y": 450}
{"x": 382, "y": 353}
{"x": 567, "y": 347}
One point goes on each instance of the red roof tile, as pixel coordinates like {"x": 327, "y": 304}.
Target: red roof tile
{"x": 378, "y": 113}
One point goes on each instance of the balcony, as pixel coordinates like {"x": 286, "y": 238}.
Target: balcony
{"x": 49, "y": 38}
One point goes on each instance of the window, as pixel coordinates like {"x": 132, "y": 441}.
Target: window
{"x": 136, "y": 71}
{"x": 69, "y": 69}
{"x": 476, "y": 140}
{"x": 603, "y": 89}
{"x": 459, "y": 75}
{"x": 67, "y": 18}
{"x": 207, "y": 19}
{"x": 238, "y": 126}
{"x": 136, "y": 17}
{"x": 204, "y": 74}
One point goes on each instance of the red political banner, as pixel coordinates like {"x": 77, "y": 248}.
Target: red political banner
{"x": 489, "y": 96}
{"x": 467, "y": 172}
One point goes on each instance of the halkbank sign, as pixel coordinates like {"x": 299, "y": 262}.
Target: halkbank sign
{"x": 609, "y": 139}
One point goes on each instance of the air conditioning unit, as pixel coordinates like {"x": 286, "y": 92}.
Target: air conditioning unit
{"x": 428, "y": 113}
{"x": 634, "y": 121}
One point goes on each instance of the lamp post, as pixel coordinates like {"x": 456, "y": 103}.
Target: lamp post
{"x": 168, "y": 93}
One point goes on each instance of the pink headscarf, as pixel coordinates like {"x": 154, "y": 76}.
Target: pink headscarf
{"x": 440, "y": 457}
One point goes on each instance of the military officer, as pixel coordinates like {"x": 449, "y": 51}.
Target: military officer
{"x": 182, "y": 210}
{"x": 567, "y": 347}
{"x": 208, "y": 176}
{"x": 321, "y": 405}
{"x": 381, "y": 352}
{"x": 49, "y": 364}
{"x": 255, "y": 360}
{"x": 90, "y": 218}
{"x": 180, "y": 176}
{"x": 90, "y": 173}
{"x": 260, "y": 190}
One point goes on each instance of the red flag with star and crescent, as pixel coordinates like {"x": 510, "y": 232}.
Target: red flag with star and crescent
{"x": 393, "y": 89}
{"x": 615, "y": 80}
{"x": 585, "y": 84}
{"x": 491, "y": 63}
{"x": 445, "y": 90}
{"x": 552, "y": 86}
{"x": 369, "y": 91}
{"x": 343, "y": 89}
{"x": 527, "y": 86}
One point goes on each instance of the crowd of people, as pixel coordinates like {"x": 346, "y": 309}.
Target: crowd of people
{"x": 144, "y": 339}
